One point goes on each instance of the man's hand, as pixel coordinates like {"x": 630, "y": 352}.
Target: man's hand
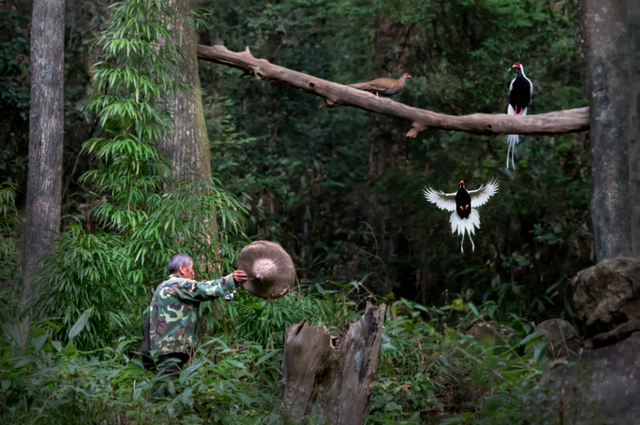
{"x": 239, "y": 276}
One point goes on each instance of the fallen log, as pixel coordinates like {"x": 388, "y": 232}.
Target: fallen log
{"x": 334, "y": 94}
{"x": 329, "y": 378}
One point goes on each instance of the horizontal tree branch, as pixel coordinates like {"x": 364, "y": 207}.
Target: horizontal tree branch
{"x": 335, "y": 94}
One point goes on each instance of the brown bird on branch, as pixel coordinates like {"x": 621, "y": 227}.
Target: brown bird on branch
{"x": 383, "y": 86}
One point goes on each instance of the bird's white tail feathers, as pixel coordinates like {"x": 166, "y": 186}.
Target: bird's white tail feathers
{"x": 465, "y": 225}
{"x": 513, "y": 139}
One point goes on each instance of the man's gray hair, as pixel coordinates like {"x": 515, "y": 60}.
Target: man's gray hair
{"x": 178, "y": 260}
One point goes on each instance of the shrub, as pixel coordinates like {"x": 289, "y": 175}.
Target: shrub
{"x": 88, "y": 273}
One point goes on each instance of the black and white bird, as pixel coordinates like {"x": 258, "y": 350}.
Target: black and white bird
{"x": 520, "y": 92}
{"x": 463, "y": 204}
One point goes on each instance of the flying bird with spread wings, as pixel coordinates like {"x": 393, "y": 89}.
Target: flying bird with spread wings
{"x": 463, "y": 203}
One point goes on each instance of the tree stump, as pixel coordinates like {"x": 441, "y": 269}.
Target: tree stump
{"x": 328, "y": 377}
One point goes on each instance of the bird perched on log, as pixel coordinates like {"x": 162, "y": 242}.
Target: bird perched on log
{"x": 386, "y": 87}
{"x": 463, "y": 203}
{"x": 520, "y": 92}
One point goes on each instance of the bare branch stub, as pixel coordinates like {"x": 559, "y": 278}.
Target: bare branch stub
{"x": 334, "y": 94}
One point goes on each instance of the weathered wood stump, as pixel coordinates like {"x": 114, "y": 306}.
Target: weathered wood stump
{"x": 329, "y": 377}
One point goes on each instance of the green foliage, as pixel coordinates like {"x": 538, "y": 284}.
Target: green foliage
{"x": 308, "y": 175}
{"x": 265, "y": 322}
{"x": 428, "y": 372}
{"x": 85, "y": 273}
{"x": 135, "y": 81}
{"x": 8, "y": 213}
{"x": 341, "y": 189}
{"x": 14, "y": 92}
{"x": 9, "y": 252}
{"x": 43, "y": 381}
{"x": 427, "y": 368}
{"x": 146, "y": 216}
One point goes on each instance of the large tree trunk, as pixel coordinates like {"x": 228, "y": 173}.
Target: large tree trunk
{"x": 384, "y": 148}
{"x": 46, "y": 129}
{"x": 330, "y": 378}
{"x": 634, "y": 123}
{"x": 187, "y": 144}
{"x": 605, "y": 45}
{"x": 388, "y": 149}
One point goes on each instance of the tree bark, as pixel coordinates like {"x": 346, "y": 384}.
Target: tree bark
{"x": 634, "y": 123}
{"x": 187, "y": 144}
{"x": 385, "y": 149}
{"x": 46, "y": 129}
{"x": 329, "y": 378}
{"x": 335, "y": 94}
{"x": 605, "y": 45}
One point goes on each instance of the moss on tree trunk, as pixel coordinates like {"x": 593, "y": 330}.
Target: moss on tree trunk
{"x": 187, "y": 144}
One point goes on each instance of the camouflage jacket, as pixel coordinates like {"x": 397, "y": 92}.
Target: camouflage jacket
{"x": 173, "y": 314}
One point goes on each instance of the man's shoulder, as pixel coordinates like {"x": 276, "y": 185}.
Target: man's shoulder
{"x": 173, "y": 279}
{"x": 175, "y": 283}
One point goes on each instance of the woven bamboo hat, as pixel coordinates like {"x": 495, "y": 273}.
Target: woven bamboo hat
{"x": 269, "y": 269}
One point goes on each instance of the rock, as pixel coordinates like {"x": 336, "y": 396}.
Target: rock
{"x": 607, "y": 299}
{"x": 587, "y": 344}
{"x": 598, "y": 387}
{"x": 491, "y": 330}
{"x": 562, "y": 337}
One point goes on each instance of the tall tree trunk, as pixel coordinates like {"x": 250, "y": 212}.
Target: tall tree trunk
{"x": 384, "y": 148}
{"x": 605, "y": 45}
{"x": 187, "y": 144}
{"x": 387, "y": 148}
{"x": 634, "y": 123}
{"x": 46, "y": 129}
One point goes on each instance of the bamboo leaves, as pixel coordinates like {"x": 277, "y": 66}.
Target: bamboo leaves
{"x": 145, "y": 215}
{"x": 80, "y": 324}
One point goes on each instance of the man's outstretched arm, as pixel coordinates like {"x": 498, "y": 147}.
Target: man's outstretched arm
{"x": 211, "y": 289}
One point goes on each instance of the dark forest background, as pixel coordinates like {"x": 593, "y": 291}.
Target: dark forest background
{"x": 341, "y": 189}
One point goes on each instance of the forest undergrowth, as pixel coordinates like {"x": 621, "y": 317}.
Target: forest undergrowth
{"x": 429, "y": 370}
{"x": 80, "y": 365}
{"x": 72, "y": 368}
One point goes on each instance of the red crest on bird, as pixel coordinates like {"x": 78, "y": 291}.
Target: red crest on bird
{"x": 407, "y": 76}
{"x": 517, "y": 65}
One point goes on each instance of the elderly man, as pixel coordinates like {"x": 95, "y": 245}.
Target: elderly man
{"x": 173, "y": 315}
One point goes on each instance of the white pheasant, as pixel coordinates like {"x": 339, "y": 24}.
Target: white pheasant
{"x": 463, "y": 203}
